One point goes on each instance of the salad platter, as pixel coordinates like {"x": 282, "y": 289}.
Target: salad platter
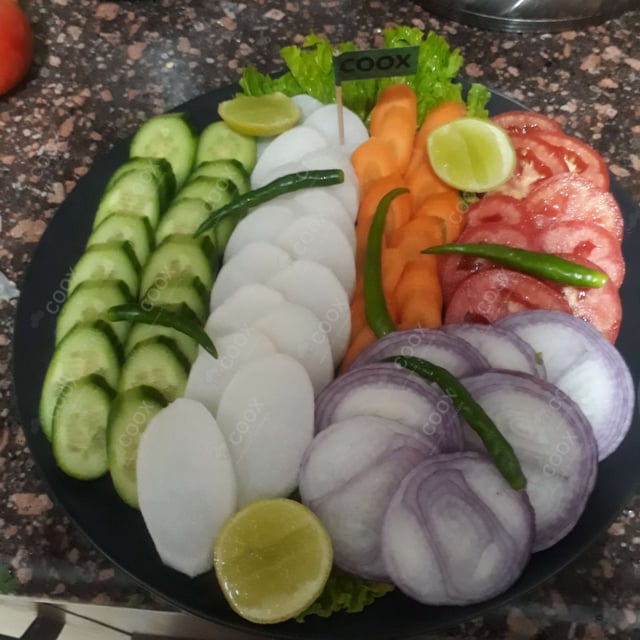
{"x": 120, "y": 532}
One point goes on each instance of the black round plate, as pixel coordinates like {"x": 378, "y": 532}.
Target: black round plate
{"x": 119, "y": 532}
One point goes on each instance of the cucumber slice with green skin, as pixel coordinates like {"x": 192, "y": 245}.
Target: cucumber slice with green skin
{"x": 157, "y": 363}
{"x": 216, "y": 192}
{"x": 171, "y": 137}
{"x": 135, "y": 192}
{"x": 222, "y": 232}
{"x": 219, "y": 142}
{"x": 130, "y": 414}
{"x": 187, "y": 290}
{"x": 179, "y": 256}
{"x": 86, "y": 349}
{"x": 79, "y": 427}
{"x": 107, "y": 261}
{"x": 227, "y": 168}
{"x": 141, "y": 332}
{"x": 161, "y": 171}
{"x": 89, "y": 301}
{"x": 183, "y": 217}
{"x": 125, "y": 228}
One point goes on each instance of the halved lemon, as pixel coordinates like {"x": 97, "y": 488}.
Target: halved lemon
{"x": 471, "y": 154}
{"x": 272, "y": 560}
{"x": 266, "y": 115}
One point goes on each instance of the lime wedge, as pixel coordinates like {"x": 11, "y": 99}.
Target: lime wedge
{"x": 471, "y": 154}
{"x": 266, "y": 115}
{"x": 272, "y": 560}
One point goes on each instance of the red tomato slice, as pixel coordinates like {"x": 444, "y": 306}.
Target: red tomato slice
{"x": 579, "y": 157}
{"x": 600, "y": 307}
{"x": 536, "y": 160}
{"x": 487, "y": 296}
{"x": 495, "y": 207}
{"x": 568, "y": 197}
{"x": 525, "y": 122}
{"x": 454, "y": 269}
{"x": 588, "y": 241}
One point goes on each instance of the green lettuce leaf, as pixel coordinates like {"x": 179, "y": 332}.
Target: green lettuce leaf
{"x": 310, "y": 70}
{"x": 477, "y": 98}
{"x": 346, "y": 593}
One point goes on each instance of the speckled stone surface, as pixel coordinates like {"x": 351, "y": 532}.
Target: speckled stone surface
{"x": 103, "y": 68}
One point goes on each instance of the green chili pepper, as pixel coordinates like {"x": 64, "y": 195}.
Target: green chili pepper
{"x": 181, "y": 320}
{"x": 375, "y": 306}
{"x": 286, "y": 184}
{"x": 499, "y": 450}
{"x": 541, "y": 265}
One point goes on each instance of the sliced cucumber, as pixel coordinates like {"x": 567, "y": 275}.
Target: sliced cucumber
{"x": 179, "y": 256}
{"x": 141, "y": 332}
{"x": 86, "y": 349}
{"x": 227, "y": 168}
{"x": 219, "y": 142}
{"x": 88, "y": 302}
{"x": 120, "y": 227}
{"x": 187, "y": 290}
{"x": 135, "y": 192}
{"x": 130, "y": 414}
{"x": 216, "y": 192}
{"x": 79, "y": 427}
{"x": 157, "y": 363}
{"x": 171, "y": 137}
{"x": 222, "y": 232}
{"x": 183, "y": 217}
{"x": 107, "y": 261}
{"x": 161, "y": 171}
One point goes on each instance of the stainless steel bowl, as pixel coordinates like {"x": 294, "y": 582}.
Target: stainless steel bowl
{"x": 529, "y": 15}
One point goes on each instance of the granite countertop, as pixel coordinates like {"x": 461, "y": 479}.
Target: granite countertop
{"x": 103, "y": 68}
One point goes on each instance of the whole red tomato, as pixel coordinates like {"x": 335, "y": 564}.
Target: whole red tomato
{"x": 16, "y": 46}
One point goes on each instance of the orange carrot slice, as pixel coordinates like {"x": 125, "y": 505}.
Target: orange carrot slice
{"x": 372, "y": 160}
{"x": 446, "y": 206}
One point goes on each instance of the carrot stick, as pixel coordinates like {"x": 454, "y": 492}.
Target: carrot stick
{"x": 419, "y": 295}
{"x": 372, "y": 160}
{"x": 416, "y": 235}
{"x": 395, "y": 95}
{"x": 445, "y": 206}
{"x": 423, "y": 182}
{"x": 362, "y": 339}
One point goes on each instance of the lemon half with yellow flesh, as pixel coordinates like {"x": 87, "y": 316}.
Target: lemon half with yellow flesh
{"x": 266, "y": 115}
{"x": 272, "y": 560}
{"x": 471, "y": 154}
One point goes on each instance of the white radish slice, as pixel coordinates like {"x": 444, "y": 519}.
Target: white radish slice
{"x": 266, "y": 415}
{"x": 314, "y": 286}
{"x": 325, "y": 120}
{"x": 262, "y": 144}
{"x": 186, "y": 484}
{"x": 319, "y": 202}
{"x": 209, "y": 376}
{"x": 347, "y": 191}
{"x": 552, "y": 440}
{"x": 263, "y": 224}
{"x": 297, "y": 332}
{"x": 586, "y": 367}
{"x": 256, "y": 262}
{"x": 242, "y": 309}
{"x": 348, "y": 476}
{"x": 307, "y": 104}
{"x": 288, "y": 147}
{"x": 320, "y": 240}
{"x": 455, "y": 533}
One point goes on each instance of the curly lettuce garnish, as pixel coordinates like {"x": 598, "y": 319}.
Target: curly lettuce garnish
{"x": 310, "y": 71}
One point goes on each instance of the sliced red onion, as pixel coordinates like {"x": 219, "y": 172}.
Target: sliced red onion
{"x": 455, "y": 533}
{"x": 448, "y": 351}
{"x": 347, "y": 477}
{"x": 586, "y": 367}
{"x": 552, "y": 440}
{"x": 501, "y": 348}
{"x": 389, "y": 391}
